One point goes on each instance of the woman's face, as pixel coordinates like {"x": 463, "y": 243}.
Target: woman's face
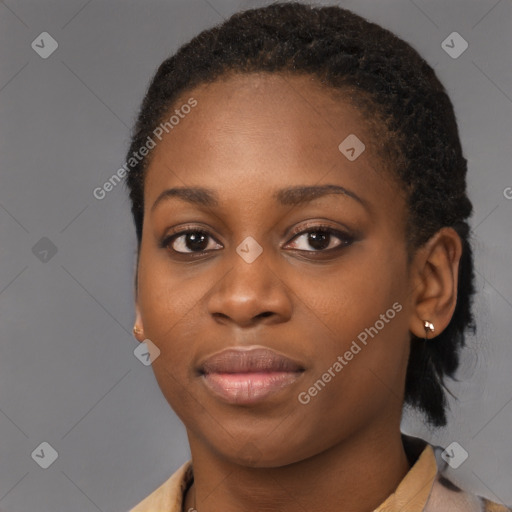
{"x": 259, "y": 269}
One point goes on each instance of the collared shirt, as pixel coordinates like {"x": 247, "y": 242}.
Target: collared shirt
{"x": 425, "y": 488}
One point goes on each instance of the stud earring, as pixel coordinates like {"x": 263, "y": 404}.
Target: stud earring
{"x": 136, "y": 330}
{"x": 429, "y": 328}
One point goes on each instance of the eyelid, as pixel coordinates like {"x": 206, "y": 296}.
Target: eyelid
{"x": 321, "y": 225}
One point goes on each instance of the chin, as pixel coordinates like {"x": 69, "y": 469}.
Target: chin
{"x": 264, "y": 455}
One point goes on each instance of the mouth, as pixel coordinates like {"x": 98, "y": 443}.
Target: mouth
{"x": 248, "y": 375}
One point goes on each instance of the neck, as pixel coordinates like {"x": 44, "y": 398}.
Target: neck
{"x": 358, "y": 474}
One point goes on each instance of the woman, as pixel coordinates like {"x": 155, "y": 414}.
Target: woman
{"x": 304, "y": 267}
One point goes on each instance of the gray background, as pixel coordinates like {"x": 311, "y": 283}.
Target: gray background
{"x": 68, "y": 375}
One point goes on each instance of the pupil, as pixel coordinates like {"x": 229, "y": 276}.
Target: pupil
{"x": 317, "y": 240}
{"x": 196, "y": 241}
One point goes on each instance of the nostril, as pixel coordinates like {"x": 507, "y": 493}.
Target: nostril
{"x": 218, "y": 315}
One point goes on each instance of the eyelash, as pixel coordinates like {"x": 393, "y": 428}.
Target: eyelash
{"x": 345, "y": 238}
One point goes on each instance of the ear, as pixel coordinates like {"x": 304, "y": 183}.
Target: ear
{"x": 434, "y": 280}
{"x": 138, "y": 328}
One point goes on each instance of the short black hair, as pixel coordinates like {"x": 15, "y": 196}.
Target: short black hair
{"x": 396, "y": 88}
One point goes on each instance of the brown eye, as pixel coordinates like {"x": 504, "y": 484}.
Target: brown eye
{"x": 189, "y": 242}
{"x": 320, "y": 238}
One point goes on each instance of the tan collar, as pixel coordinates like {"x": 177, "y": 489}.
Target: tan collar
{"x": 411, "y": 494}
{"x": 413, "y": 491}
{"x": 169, "y": 496}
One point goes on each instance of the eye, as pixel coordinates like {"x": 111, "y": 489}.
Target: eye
{"x": 189, "y": 242}
{"x": 320, "y": 239}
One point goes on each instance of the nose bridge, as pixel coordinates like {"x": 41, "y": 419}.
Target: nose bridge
{"x": 251, "y": 287}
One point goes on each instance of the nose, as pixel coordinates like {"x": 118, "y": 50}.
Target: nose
{"x": 250, "y": 293}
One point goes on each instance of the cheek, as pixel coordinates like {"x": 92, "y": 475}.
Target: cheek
{"x": 166, "y": 297}
{"x": 166, "y": 304}
{"x": 359, "y": 314}
{"x": 364, "y": 285}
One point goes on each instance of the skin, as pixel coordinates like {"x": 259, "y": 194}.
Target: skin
{"x": 249, "y": 136}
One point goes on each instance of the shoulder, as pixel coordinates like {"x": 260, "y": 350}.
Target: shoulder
{"x": 447, "y": 496}
{"x": 169, "y": 495}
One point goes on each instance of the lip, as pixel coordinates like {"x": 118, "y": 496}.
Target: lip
{"x": 248, "y": 375}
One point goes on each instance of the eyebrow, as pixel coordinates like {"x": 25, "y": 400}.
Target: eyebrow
{"x": 286, "y": 196}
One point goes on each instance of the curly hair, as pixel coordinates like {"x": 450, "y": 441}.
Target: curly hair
{"x": 401, "y": 96}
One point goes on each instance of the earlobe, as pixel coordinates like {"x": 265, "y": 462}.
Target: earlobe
{"x": 434, "y": 283}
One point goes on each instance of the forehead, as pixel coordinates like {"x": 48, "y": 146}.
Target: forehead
{"x": 250, "y": 132}
{"x": 282, "y": 111}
